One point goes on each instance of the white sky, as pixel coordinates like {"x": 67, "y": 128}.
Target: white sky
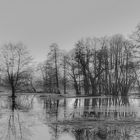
{"x": 39, "y": 23}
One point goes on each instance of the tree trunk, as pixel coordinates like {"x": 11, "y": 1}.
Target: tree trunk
{"x": 65, "y": 75}
{"x": 86, "y": 82}
{"x": 13, "y": 91}
{"x": 57, "y": 84}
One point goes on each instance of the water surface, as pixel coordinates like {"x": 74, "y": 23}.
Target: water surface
{"x": 41, "y": 117}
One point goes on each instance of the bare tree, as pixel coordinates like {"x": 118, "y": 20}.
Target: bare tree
{"x": 15, "y": 65}
{"x": 53, "y": 58}
{"x": 72, "y": 73}
{"x": 64, "y": 65}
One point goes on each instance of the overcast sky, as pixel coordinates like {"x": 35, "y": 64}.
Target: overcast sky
{"x": 39, "y": 23}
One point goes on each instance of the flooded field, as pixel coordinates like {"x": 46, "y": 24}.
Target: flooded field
{"x": 42, "y": 117}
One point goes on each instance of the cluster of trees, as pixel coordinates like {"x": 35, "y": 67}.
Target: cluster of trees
{"x": 95, "y": 66}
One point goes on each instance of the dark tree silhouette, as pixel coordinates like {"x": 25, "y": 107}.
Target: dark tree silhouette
{"x": 15, "y": 65}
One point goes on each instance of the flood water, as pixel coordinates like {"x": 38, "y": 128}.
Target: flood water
{"x": 42, "y": 117}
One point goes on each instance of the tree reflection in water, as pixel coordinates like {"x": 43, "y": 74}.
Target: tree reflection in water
{"x": 87, "y": 118}
{"x": 83, "y": 119}
{"x": 102, "y": 133}
{"x": 15, "y": 127}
